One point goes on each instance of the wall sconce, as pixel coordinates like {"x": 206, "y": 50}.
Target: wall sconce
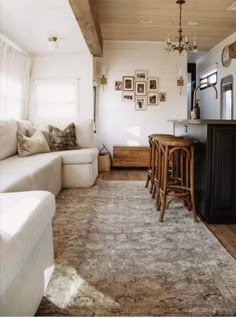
{"x": 103, "y": 79}
{"x": 180, "y": 84}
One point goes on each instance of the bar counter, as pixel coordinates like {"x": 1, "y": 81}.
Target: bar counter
{"x": 215, "y": 167}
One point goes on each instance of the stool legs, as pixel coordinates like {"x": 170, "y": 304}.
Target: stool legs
{"x": 179, "y": 185}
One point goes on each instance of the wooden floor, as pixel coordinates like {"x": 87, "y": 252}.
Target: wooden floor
{"x": 226, "y": 234}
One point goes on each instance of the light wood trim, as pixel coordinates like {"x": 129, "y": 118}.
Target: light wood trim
{"x": 232, "y": 50}
{"x": 85, "y": 12}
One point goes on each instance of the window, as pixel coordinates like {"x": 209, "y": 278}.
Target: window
{"x": 56, "y": 99}
{"x": 11, "y": 99}
{"x": 227, "y": 97}
{"x": 210, "y": 77}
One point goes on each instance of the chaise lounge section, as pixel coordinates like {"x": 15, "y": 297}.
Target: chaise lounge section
{"x": 28, "y": 186}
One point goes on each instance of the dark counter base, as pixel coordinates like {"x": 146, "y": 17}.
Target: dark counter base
{"x": 215, "y": 171}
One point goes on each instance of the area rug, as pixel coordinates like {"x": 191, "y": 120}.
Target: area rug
{"x": 113, "y": 258}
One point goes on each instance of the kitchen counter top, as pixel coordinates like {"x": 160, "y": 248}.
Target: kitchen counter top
{"x": 204, "y": 121}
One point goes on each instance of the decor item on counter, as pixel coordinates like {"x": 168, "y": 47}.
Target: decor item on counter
{"x": 141, "y": 103}
{"x": 140, "y": 88}
{"x": 152, "y": 84}
{"x": 162, "y": 97}
{"x": 195, "y": 113}
{"x": 228, "y": 53}
{"x": 195, "y": 110}
{"x": 118, "y": 85}
{"x": 141, "y": 75}
{"x": 128, "y": 96}
{"x": 183, "y": 43}
{"x": 180, "y": 84}
{"x": 128, "y": 83}
{"x": 153, "y": 99}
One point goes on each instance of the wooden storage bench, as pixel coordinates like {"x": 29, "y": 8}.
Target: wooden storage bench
{"x": 131, "y": 156}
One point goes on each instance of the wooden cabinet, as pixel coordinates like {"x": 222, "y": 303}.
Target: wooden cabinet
{"x": 130, "y": 156}
{"x": 215, "y": 172}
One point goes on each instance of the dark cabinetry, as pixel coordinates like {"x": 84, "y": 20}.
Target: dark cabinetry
{"x": 215, "y": 171}
{"x": 221, "y": 174}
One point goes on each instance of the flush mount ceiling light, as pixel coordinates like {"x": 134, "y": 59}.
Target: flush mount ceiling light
{"x": 52, "y": 42}
{"x": 183, "y": 43}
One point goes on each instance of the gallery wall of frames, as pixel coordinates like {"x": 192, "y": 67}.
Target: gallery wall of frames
{"x": 141, "y": 90}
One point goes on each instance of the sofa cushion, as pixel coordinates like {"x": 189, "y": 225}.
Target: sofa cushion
{"x": 28, "y": 146}
{"x": 8, "y": 144}
{"x": 23, "y": 126}
{"x": 63, "y": 139}
{"x": 24, "y": 217}
{"x": 85, "y": 133}
{"x": 38, "y": 172}
{"x": 79, "y": 156}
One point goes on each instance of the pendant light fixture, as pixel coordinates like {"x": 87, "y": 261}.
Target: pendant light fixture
{"x": 182, "y": 40}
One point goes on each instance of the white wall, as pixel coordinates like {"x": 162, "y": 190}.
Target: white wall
{"x": 117, "y": 121}
{"x": 78, "y": 66}
{"x": 210, "y": 107}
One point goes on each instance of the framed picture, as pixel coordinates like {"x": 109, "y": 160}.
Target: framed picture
{"x": 152, "y": 84}
{"x": 128, "y": 96}
{"x": 141, "y": 103}
{"x": 118, "y": 85}
{"x": 128, "y": 83}
{"x": 153, "y": 99}
{"x": 141, "y": 75}
{"x": 140, "y": 88}
{"x": 162, "y": 97}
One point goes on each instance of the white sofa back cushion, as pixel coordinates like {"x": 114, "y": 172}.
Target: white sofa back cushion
{"x": 8, "y": 143}
{"x": 23, "y": 126}
{"x": 85, "y": 133}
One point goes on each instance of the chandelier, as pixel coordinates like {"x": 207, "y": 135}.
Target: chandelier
{"x": 183, "y": 43}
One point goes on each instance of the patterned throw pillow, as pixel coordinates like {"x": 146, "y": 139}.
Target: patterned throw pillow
{"x": 63, "y": 139}
{"x": 28, "y": 146}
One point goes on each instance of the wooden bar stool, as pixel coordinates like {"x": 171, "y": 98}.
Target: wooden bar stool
{"x": 180, "y": 153}
{"x": 151, "y": 167}
{"x": 158, "y": 167}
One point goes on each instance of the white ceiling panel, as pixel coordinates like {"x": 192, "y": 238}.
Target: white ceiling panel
{"x": 30, "y": 22}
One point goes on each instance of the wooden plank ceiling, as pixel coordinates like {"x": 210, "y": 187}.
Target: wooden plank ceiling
{"x": 124, "y": 20}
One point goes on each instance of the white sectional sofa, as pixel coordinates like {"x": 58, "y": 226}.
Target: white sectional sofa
{"x": 47, "y": 171}
{"x": 28, "y": 186}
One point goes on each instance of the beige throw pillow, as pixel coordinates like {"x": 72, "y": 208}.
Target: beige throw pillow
{"x": 32, "y": 130}
{"x": 63, "y": 139}
{"x": 28, "y": 146}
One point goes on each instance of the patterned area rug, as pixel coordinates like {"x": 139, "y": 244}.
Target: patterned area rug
{"x": 113, "y": 258}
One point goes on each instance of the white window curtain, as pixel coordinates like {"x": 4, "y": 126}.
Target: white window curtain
{"x": 14, "y": 82}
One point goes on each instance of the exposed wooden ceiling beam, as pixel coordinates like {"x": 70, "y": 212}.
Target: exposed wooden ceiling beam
{"x": 86, "y": 15}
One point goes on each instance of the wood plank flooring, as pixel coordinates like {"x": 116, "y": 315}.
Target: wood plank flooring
{"x": 225, "y": 233}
